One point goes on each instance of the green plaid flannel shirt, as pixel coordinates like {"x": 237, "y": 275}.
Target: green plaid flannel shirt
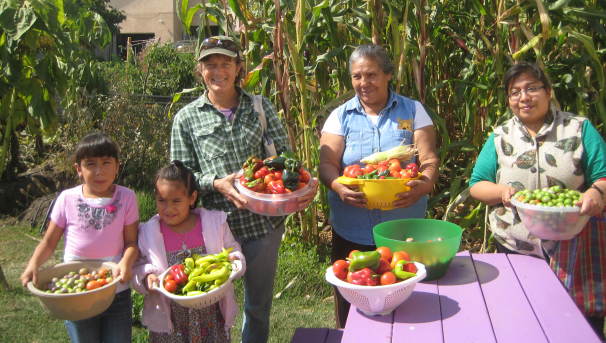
{"x": 213, "y": 147}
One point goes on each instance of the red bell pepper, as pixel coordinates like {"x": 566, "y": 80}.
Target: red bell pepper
{"x": 276, "y": 187}
{"x": 178, "y": 273}
{"x": 365, "y": 277}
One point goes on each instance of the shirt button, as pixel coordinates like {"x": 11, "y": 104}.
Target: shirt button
{"x": 533, "y": 170}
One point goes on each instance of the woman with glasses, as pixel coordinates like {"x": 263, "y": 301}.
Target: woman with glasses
{"x": 213, "y": 136}
{"x": 539, "y": 147}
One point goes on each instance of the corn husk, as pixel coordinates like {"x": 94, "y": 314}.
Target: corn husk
{"x": 401, "y": 152}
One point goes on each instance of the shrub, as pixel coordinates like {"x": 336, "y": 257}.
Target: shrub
{"x": 147, "y": 205}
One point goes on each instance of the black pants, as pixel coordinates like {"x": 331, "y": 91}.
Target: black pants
{"x": 340, "y": 250}
{"x": 597, "y": 323}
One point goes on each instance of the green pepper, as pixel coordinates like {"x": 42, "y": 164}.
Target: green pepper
{"x": 190, "y": 286}
{"x": 251, "y": 165}
{"x": 364, "y": 259}
{"x": 212, "y": 275}
{"x": 275, "y": 162}
{"x": 400, "y": 272}
{"x": 369, "y": 176}
{"x": 290, "y": 179}
{"x": 191, "y": 293}
{"x": 189, "y": 263}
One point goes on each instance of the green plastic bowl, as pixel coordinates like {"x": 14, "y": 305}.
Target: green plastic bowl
{"x": 434, "y": 242}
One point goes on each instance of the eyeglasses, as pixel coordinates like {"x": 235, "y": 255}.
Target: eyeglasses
{"x": 531, "y": 91}
{"x": 210, "y": 43}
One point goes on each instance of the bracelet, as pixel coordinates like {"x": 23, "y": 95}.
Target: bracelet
{"x": 598, "y": 189}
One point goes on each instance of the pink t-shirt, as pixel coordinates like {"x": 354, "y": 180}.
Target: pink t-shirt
{"x": 93, "y": 231}
{"x": 175, "y": 241}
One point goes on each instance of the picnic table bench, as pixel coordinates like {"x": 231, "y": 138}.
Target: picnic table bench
{"x": 482, "y": 298}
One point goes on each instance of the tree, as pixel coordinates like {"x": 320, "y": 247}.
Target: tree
{"x": 45, "y": 55}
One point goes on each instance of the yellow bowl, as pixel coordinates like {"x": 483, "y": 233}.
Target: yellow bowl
{"x": 380, "y": 193}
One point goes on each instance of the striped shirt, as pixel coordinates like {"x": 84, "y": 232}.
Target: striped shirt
{"x": 213, "y": 147}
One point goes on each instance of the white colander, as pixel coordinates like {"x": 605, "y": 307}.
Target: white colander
{"x": 376, "y": 300}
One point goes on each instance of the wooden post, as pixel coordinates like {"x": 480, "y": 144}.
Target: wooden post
{"x": 3, "y": 282}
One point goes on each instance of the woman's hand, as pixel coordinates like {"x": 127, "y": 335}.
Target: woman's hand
{"x": 506, "y": 193}
{"x": 152, "y": 281}
{"x": 591, "y": 203}
{"x": 350, "y": 195}
{"x": 418, "y": 188}
{"x": 225, "y": 186}
{"x": 310, "y": 195}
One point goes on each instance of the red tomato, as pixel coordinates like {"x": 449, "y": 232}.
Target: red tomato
{"x": 259, "y": 174}
{"x": 348, "y": 278}
{"x": 383, "y": 267}
{"x": 405, "y": 174}
{"x": 340, "y": 268}
{"x": 170, "y": 285}
{"x": 93, "y": 284}
{"x": 353, "y": 171}
{"x": 399, "y": 255}
{"x": 304, "y": 175}
{"x": 278, "y": 175}
{"x": 383, "y": 163}
{"x": 410, "y": 267}
{"x": 388, "y": 278}
{"x": 369, "y": 168}
{"x": 385, "y": 253}
{"x": 101, "y": 282}
{"x": 168, "y": 276}
{"x": 276, "y": 187}
{"x": 412, "y": 166}
{"x": 268, "y": 177}
{"x": 394, "y": 163}
{"x": 395, "y": 173}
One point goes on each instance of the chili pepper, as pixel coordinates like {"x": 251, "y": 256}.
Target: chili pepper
{"x": 400, "y": 272}
{"x": 178, "y": 273}
{"x": 212, "y": 275}
{"x": 370, "y": 176}
{"x": 189, "y": 263}
{"x": 251, "y": 165}
{"x": 363, "y": 259}
{"x": 256, "y": 185}
{"x": 192, "y": 293}
{"x": 365, "y": 277}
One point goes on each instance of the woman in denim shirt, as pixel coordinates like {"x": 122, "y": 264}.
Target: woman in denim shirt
{"x": 375, "y": 119}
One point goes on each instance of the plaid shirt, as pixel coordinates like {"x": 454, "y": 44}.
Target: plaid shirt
{"x": 213, "y": 147}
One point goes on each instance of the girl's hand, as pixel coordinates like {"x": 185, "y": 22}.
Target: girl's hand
{"x": 124, "y": 271}
{"x": 29, "y": 274}
{"x": 225, "y": 186}
{"x": 506, "y": 194}
{"x": 152, "y": 281}
{"x": 591, "y": 203}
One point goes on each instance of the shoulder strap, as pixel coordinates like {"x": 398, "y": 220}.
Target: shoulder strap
{"x": 258, "y": 107}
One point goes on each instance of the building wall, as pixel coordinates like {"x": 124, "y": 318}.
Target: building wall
{"x": 151, "y": 16}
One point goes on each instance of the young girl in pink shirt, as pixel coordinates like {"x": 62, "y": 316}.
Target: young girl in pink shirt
{"x": 178, "y": 230}
{"x": 100, "y": 221}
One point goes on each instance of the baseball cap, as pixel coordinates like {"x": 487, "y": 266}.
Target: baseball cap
{"x": 223, "y": 45}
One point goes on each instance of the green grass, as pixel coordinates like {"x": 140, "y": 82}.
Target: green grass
{"x": 307, "y": 302}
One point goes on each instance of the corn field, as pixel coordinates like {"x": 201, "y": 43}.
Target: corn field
{"x": 449, "y": 54}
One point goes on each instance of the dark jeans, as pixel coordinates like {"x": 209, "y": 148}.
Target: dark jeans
{"x": 112, "y": 326}
{"x": 597, "y": 323}
{"x": 340, "y": 250}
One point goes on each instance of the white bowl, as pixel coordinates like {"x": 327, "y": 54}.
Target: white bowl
{"x": 275, "y": 204}
{"x": 75, "y": 306}
{"x": 376, "y": 300}
{"x": 205, "y": 299}
{"x": 552, "y": 223}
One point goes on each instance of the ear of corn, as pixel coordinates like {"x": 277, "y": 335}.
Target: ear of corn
{"x": 401, "y": 152}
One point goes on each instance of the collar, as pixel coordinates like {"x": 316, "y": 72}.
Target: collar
{"x": 354, "y": 105}
{"x": 203, "y": 100}
{"x": 548, "y": 124}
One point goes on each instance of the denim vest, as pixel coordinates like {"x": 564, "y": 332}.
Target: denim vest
{"x": 363, "y": 138}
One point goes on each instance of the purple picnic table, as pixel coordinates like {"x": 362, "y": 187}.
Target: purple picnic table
{"x": 482, "y": 298}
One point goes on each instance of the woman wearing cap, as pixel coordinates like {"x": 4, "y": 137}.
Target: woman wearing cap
{"x": 213, "y": 136}
{"x": 538, "y": 147}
